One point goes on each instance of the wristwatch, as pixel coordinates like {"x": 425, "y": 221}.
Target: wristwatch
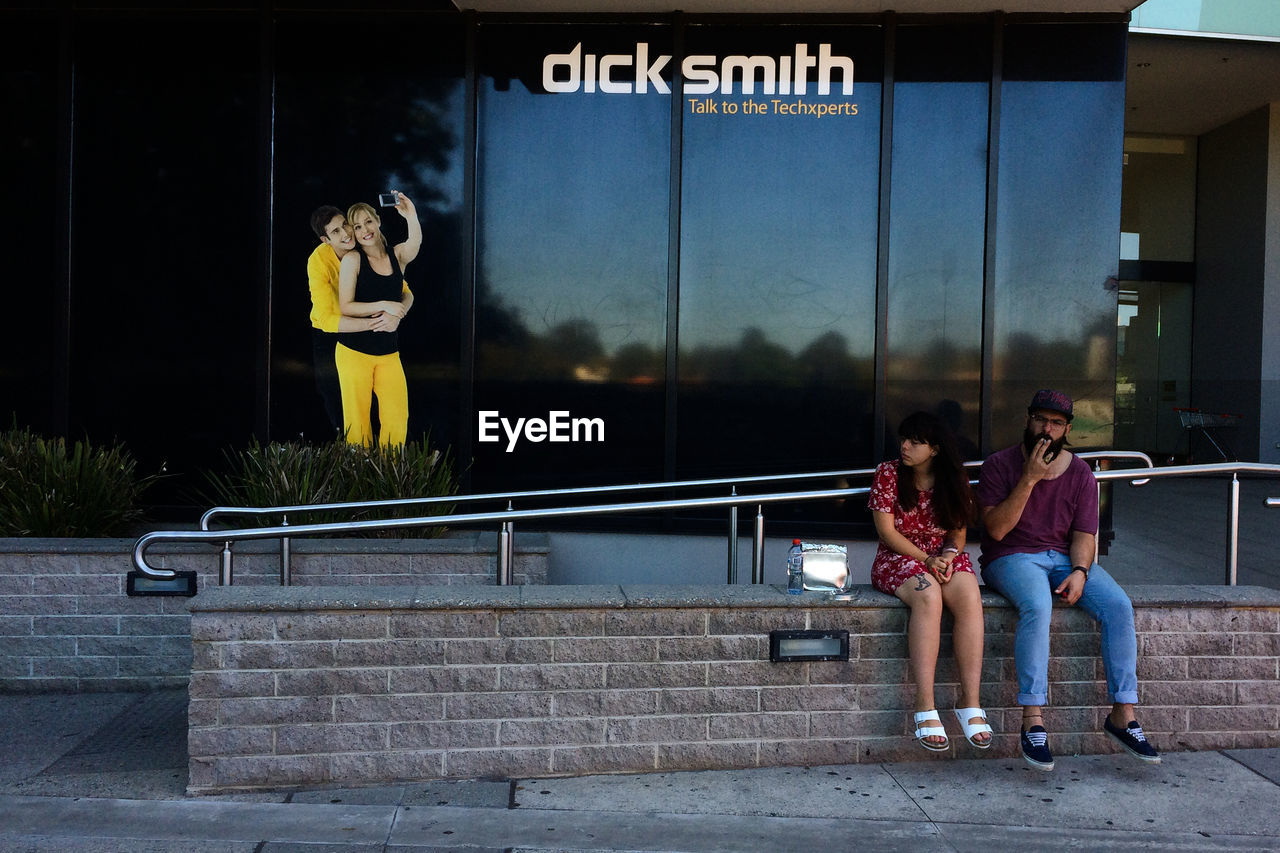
{"x": 1084, "y": 569}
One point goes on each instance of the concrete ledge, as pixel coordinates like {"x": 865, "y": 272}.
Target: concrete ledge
{"x": 232, "y": 599}
{"x": 66, "y": 624}
{"x": 455, "y": 542}
{"x": 325, "y": 686}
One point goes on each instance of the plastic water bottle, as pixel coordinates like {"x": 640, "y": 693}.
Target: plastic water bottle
{"x": 795, "y": 569}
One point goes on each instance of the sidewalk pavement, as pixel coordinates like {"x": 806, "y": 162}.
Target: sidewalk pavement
{"x": 107, "y": 772}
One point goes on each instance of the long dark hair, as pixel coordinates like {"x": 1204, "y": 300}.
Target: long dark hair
{"x": 953, "y": 502}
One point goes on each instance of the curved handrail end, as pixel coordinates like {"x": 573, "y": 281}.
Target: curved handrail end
{"x": 140, "y": 558}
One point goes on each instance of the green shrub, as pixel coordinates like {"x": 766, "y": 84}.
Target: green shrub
{"x": 280, "y": 474}
{"x": 294, "y": 473}
{"x": 47, "y": 491}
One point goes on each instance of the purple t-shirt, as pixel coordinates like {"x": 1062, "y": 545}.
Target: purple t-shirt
{"x": 1056, "y": 507}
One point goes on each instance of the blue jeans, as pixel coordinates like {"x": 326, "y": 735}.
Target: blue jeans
{"x": 1028, "y": 581}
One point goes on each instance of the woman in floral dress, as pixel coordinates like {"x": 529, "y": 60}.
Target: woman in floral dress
{"x": 922, "y": 505}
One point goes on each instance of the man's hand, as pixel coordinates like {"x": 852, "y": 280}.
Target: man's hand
{"x": 383, "y": 322}
{"x": 1071, "y": 588}
{"x": 1035, "y": 468}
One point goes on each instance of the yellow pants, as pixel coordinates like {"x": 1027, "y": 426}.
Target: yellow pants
{"x": 363, "y": 376}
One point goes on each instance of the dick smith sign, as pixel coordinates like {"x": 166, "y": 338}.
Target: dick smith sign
{"x": 640, "y": 72}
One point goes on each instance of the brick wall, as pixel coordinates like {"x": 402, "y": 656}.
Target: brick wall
{"x": 66, "y": 624}
{"x": 293, "y": 687}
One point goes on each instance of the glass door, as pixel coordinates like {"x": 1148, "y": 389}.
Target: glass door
{"x": 1153, "y": 367}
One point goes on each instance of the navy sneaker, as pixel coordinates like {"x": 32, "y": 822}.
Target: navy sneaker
{"x": 1035, "y": 748}
{"x": 1133, "y": 740}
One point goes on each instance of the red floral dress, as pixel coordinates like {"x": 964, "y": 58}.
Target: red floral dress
{"x": 891, "y": 569}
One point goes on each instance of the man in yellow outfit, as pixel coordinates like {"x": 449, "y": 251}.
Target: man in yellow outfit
{"x": 336, "y": 239}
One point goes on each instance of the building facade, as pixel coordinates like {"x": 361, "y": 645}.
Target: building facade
{"x": 1200, "y": 261}
{"x": 658, "y": 245}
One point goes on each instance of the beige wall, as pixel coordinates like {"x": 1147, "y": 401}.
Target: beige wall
{"x": 291, "y": 689}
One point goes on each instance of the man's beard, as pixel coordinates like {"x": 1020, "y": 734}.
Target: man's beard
{"x": 1029, "y": 439}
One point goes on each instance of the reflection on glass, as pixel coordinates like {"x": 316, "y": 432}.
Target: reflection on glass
{"x": 572, "y": 216}
{"x": 1058, "y": 231}
{"x": 344, "y": 133}
{"x": 28, "y": 148}
{"x": 166, "y": 288}
{"x": 778, "y": 229}
{"x": 937, "y": 227}
{"x": 778, "y": 254}
{"x": 1153, "y": 366}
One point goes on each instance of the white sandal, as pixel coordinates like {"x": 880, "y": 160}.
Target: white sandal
{"x": 923, "y": 731}
{"x": 971, "y": 729}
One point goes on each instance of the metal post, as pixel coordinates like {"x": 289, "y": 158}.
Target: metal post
{"x": 1097, "y": 539}
{"x": 757, "y": 547}
{"x": 224, "y": 573}
{"x": 1106, "y": 510}
{"x": 506, "y": 550}
{"x": 733, "y": 539}
{"x": 1233, "y": 529}
{"x": 504, "y": 558}
{"x": 284, "y": 554}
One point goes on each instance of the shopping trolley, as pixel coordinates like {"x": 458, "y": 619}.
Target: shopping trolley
{"x": 1211, "y": 425}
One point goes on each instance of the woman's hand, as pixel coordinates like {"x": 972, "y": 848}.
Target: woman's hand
{"x": 408, "y": 250}
{"x": 395, "y": 309}
{"x": 405, "y": 207}
{"x": 940, "y": 567}
{"x": 947, "y": 558}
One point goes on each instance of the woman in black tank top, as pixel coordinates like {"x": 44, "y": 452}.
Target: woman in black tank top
{"x": 371, "y": 283}
{"x": 372, "y": 288}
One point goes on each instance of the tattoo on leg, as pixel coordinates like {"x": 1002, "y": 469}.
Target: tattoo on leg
{"x": 924, "y": 583}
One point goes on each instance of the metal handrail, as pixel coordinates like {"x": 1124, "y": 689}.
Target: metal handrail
{"x": 510, "y": 515}
{"x": 1235, "y": 469}
{"x": 216, "y": 511}
{"x": 227, "y": 536}
{"x": 506, "y": 535}
{"x": 210, "y": 514}
{"x": 1207, "y": 470}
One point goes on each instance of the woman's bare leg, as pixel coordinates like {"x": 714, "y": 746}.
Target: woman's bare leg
{"x": 962, "y": 598}
{"x": 921, "y": 594}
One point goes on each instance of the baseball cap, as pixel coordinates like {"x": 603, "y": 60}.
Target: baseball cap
{"x": 1054, "y": 401}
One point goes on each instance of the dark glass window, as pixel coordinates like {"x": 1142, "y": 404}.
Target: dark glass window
{"x": 1058, "y": 224}
{"x": 357, "y": 116}
{"x": 778, "y": 229}
{"x": 166, "y": 279}
{"x": 196, "y": 160}
{"x": 572, "y": 233}
{"x": 30, "y": 192}
{"x": 937, "y": 226}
